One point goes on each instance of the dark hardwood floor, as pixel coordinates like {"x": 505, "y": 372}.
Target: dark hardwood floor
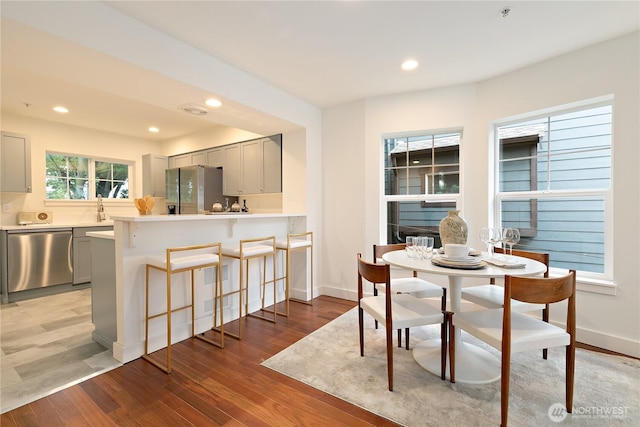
{"x": 208, "y": 385}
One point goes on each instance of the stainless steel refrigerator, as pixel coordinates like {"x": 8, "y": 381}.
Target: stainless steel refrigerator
{"x": 194, "y": 189}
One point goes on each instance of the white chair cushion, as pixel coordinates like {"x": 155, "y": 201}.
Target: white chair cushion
{"x": 415, "y": 286}
{"x": 492, "y": 296}
{"x": 248, "y": 251}
{"x": 527, "y": 333}
{"x": 407, "y": 310}
{"x": 180, "y": 262}
{"x": 295, "y": 243}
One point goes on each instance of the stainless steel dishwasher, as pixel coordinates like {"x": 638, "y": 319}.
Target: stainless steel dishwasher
{"x": 36, "y": 259}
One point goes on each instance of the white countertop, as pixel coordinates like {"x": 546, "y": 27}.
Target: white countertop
{"x": 56, "y": 226}
{"x": 200, "y": 217}
{"x": 101, "y": 234}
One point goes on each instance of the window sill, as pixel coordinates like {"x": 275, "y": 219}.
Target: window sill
{"x": 589, "y": 284}
{"x": 596, "y": 286}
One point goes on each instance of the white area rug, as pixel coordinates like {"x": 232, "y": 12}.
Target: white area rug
{"x": 607, "y": 388}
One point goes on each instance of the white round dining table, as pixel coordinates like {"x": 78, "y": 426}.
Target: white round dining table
{"x": 474, "y": 365}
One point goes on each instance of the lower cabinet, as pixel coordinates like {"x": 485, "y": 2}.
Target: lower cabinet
{"x": 82, "y": 253}
{"x": 103, "y": 292}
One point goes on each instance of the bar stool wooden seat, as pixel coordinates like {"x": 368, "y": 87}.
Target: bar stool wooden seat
{"x": 295, "y": 242}
{"x": 179, "y": 260}
{"x": 249, "y": 249}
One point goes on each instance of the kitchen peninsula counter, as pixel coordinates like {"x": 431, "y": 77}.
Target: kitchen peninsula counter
{"x": 138, "y": 236}
{"x": 103, "y": 288}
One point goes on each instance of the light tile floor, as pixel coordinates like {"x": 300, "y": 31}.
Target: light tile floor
{"x": 46, "y": 345}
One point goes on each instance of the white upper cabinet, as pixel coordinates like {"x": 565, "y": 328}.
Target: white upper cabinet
{"x": 16, "y": 163}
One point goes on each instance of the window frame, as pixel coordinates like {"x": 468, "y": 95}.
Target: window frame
{"x": 588, "y": 281}
{"x": 92, "y": 180}
{"x": 426, "y": 200}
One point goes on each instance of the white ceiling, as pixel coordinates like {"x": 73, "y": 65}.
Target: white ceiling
{"x": 323, "y": 52}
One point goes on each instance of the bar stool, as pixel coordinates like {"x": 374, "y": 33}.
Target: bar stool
{"x": 178, "y": 260}
{"x": 247, "y": 250}
{"x": 295, "y": 242}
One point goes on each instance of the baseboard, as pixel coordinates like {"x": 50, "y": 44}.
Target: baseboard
{"x": 608, "y": 342}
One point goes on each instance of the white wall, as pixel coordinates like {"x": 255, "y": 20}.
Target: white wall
{"x": 352, "y": 172}
{"x": 343, "y": 198}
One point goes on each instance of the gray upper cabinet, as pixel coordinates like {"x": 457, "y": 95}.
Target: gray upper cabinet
{"x": 180, "y": 161}
{"x": 250, "y": 167}
{"x": 272, "y": 164}
{"x": 199, "y": 158}
{"x": 189, "y": 159}
{"x": 215, "y": 157}
{"x": 16, "y": 163}
{"x": 254, "y": 167}
{"x": 232, "y": 172}
{"x": 153, "y": 167}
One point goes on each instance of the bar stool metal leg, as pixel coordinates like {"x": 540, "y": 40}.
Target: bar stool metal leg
{"x": 217, "y": 295}
{"x": 170, "y": 265}
{"x": 247, "y": 250}
{"x": 295, "y": 242}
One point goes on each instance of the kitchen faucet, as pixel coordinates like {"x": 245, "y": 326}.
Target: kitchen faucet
{"x": 101, "y": 215}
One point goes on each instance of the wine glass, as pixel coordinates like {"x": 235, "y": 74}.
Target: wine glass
{"x": 490, "y": 236}
{"x": 510, "y": 236}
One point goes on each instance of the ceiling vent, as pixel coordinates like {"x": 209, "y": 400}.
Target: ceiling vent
{"x": 194, "y": 109}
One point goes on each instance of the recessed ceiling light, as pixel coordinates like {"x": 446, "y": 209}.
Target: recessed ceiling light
{"x": 154, "y": 129}
{"x": 410, "y": 64}
{"x": 60, "y": 109}
{"x": 213, "y": 102}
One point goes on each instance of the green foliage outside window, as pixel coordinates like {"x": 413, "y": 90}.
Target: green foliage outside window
{"x": 67, "y": 177}
{"x": 112, "y": 180}
{"x": 70, "y": 177}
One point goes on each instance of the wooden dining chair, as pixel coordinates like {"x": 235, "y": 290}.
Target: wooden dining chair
{"x": 492, "y": 296}
{"x": 513, "y": 332}
{"x": 414, "y": 285}
{"x": 395, "y": 311}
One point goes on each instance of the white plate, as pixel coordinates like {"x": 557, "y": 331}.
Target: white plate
{"x": 463, "y": 258}
{"x": 441, "y": 262}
